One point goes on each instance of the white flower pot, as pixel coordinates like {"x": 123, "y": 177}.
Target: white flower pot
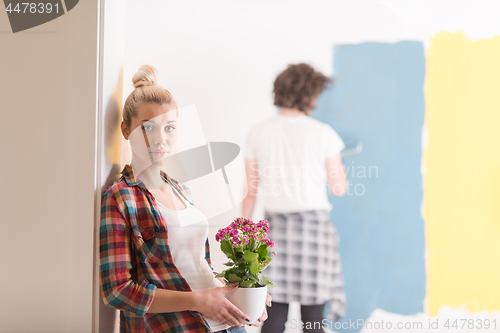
{"x": 252, "y": 301}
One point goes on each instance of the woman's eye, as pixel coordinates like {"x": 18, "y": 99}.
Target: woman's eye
{"x": 147, "y": 128}
{"x": 170, "y": 128}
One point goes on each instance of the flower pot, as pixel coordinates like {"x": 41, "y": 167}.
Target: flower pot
{"x": 252, "y": 301}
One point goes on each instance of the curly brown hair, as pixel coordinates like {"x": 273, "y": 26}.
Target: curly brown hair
{"x": 297, "y": 87}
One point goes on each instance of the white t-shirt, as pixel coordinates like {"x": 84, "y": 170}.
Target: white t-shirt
{"x": 187, "y": 233}
{"x": 291, "y": 152}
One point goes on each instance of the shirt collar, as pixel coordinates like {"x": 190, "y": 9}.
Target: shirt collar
{"x": 133, "y": 179}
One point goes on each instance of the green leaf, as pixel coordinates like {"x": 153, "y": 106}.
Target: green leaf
{"x": 264, "y": 280}
{"x": 263, "y": 251}
{"x": 225, "y": 246}
{"x": 221, "y": 274}
{"x": 234, "y": 278}
{"x": 264, "y": 265}
{"x": 254, "y": 267}
{"x": 246, "y": 284}
{"x": 238, "y": 254}
{"x": 251, "y": 244}
{"x": 253, "y": 277}
{"x": 229, "y": 263}
{"x": 238, "y": 248}
{"x": 250, "y": 256}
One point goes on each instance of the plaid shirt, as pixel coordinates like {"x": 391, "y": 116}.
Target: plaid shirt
{"x": 135, "y": 258}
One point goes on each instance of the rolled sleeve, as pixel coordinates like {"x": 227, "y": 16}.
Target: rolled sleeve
{"x": 118, "y": 289}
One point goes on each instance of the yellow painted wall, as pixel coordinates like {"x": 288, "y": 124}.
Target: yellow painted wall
{"x": 462, "y": 180}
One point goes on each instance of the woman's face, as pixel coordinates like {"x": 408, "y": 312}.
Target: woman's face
{"x": 153, "y": 132}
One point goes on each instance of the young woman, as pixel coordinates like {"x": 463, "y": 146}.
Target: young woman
{"x": 154, "y": 252}
{"x": 292, "y": 156}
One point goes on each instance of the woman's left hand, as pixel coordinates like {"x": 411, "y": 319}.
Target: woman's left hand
{"x": 264, "y": 315}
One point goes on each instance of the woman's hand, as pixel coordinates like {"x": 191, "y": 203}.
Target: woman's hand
{"x": 212, "y": 304}
{"x": 264, "y": 315}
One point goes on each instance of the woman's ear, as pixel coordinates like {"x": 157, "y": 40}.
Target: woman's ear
{"x": 313, "y": 102}
{"x": 312, "y": 106}
{"x": 125, "y": 130}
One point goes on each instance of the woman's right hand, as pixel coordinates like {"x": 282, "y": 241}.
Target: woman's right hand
{"x": 212, "y": 304}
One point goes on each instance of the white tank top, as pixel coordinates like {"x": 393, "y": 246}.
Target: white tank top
{"x": 187, "y": 233}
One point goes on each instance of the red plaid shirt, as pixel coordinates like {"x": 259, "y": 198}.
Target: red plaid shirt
{"x": 135, "y": 258}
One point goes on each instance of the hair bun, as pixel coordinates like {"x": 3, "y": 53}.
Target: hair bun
{"x": 147, "y": 75}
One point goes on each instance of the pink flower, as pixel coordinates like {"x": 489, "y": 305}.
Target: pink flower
{"x": 236, "y": 240}
{"x": 242, "y": 228}
{"x": 268, "y": 242}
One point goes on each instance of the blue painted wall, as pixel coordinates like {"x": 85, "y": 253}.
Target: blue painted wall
{"x": 378, "y": 99}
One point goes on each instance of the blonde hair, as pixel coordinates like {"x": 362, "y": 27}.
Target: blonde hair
{"x": 146, "y": 91}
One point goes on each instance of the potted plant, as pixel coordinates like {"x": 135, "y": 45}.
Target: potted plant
{"x": 245, "y": 245}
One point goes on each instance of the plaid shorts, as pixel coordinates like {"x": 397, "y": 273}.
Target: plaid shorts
{"x": 307, "y": 267}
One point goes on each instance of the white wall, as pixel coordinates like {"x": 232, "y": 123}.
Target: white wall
{"x": 48, "y": 96}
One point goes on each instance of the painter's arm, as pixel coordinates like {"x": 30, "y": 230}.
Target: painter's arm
{"x": 335, "y": 172}
{"x": 252, "y": 179}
